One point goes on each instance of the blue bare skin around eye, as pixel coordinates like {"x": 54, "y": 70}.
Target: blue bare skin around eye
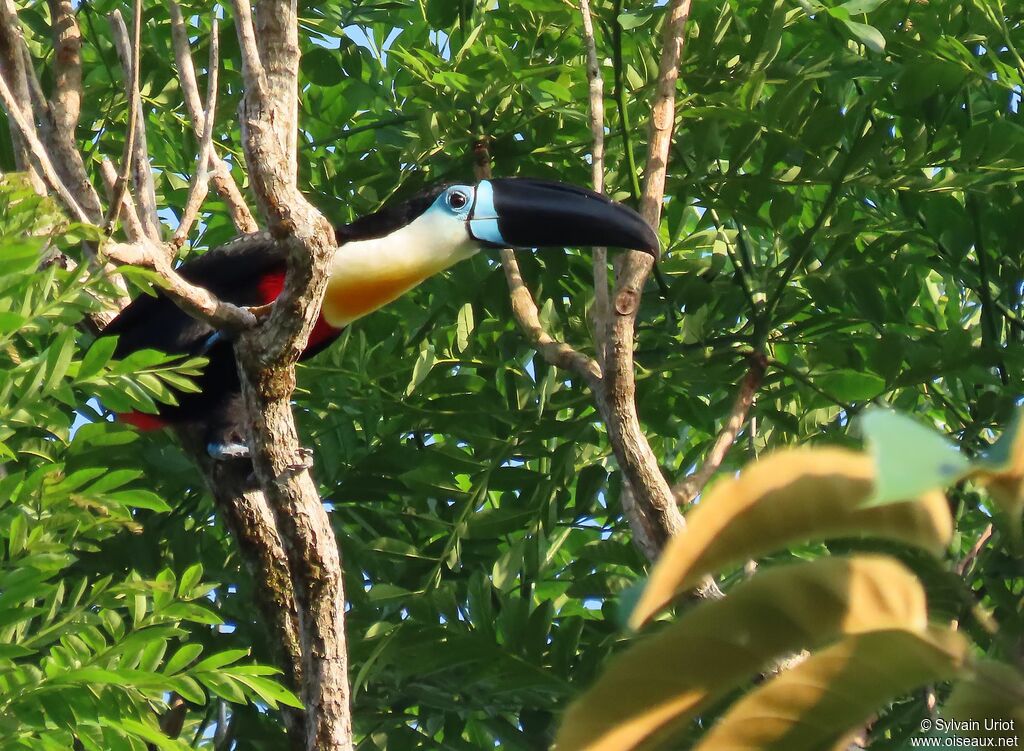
{"x": 486, "y": 229}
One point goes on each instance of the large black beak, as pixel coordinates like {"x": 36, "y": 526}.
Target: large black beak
{"x": 525, "y": 213}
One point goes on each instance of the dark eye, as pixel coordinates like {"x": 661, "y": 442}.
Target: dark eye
{"x": 457, "y": 199}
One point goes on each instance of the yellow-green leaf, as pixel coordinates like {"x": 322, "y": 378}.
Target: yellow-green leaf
{"x": 1002, "y": 471}
{"x": 993, "y": 697}
{"x": 909, "y": 457}
{"x": 666, "y": 679}
{"x": 814, "y": 704}
{"x": 789, "y": 497}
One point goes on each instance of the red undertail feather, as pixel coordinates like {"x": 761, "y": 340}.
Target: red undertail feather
{"x": 142, "y": 421}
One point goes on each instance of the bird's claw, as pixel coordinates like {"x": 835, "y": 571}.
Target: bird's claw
{"x": 305, "y": 461}
{"x": 262, "y": 312}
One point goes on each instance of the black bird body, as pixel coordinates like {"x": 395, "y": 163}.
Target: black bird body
{"x": 380, "y": 257}
{"x": 248, "y": 271}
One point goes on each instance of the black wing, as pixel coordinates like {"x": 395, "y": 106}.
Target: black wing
{"x": 232, "y": 272}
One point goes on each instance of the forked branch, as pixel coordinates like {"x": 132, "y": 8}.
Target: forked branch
{"x": 136, "y": 161}
{"x": 221, "y": 177}
{"x": 655, "y": 501}
{"x": 687, "y": 489}
{"x": 267, "y": 356}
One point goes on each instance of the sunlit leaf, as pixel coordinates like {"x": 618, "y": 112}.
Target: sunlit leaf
{"x": 909, "y": 457}
{"x": 789, "y": 497}
{"x": 682, "y": 669}
{"x": 989, "y": 702}
{"x": 814, "y": 704}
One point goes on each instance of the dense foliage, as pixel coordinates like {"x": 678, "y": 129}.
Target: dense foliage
{"x": 842, "y": 195}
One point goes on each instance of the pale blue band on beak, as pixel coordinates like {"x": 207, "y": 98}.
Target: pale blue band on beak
{"x": 483, "y": 225}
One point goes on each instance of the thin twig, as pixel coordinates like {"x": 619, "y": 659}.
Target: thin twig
{"x": 197, "y": 301}
{"x": 38, "y": 153}
{"x": 802, "y": 246}
{"x": 132, "y": 225}
{"x": 602, "y": 304}
{"x": 140, "y": 170}
{"x": 965, "y": 563}
{"x": 524, "y": 307}
{"x": 132, "y": 85}
{"x": 527, "y": 316}
{"x": 221, "y": 177}
{"x": 620, "y": 98}
{"x": 200, "y": 182}
{"x": 690, "y": 487}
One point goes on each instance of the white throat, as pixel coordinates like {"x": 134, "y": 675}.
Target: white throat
{"x": 368, "y": 274}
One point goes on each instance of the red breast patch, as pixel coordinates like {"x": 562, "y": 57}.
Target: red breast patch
{"x": 270, "y": 287}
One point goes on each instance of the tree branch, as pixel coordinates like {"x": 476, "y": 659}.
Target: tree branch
{"x": 131, "y": 223}
{"x": 690, "y": 487}
{"x": 266, "y": 359}
{"x": 965, "y": 563}
{"x": 128, "y": 153}
{"x": 65, "y": 107}
{"x": 527, "y": 316}
{"x": 197, "y": 301}
{"x": 602, "y": 305}
{"x": 200, "y": 181}
{"x": 656, "y": 510}
{"x": 250, "y": 521}
{"x": 12, "y": 70}
{"x": 222, "y": 180}
{"x": 37, "y": 153}
{"x": 137, "y": 163}
{"x": 524, "y": 307}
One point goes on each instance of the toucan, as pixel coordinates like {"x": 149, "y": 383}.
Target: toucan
{"x": 380, "y": 257}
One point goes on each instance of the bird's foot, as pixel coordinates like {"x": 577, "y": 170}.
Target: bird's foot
{"x": 305, "y": 460}
{"x": 223, "y": 451}
{"x": 262, "y": 312}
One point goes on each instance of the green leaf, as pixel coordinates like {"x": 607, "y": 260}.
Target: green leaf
{"x": 851, "y": 385}
{"x": 629, "y": 21}
{"x": 321, "y": 67}
{"x": 220, "y": 660}
{"x": 189, "y": 579}
{"x": 97, "y": 357}
{"x": 866, "y": 34}
{"x": 424, "y": 363}
{"x": 464, "y": 326}
{"x": 182, "y": 658}
{"x": 909, "y": 458}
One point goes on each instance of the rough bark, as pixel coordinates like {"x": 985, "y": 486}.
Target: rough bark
{"x": 267, "y": 357}
{"x": 655, "y": 511}
{"x": 12, "y": 70}
{"x": 251, "y": 524}
{"x": 284, "y": 533}
{"x": 65, "y": 106}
